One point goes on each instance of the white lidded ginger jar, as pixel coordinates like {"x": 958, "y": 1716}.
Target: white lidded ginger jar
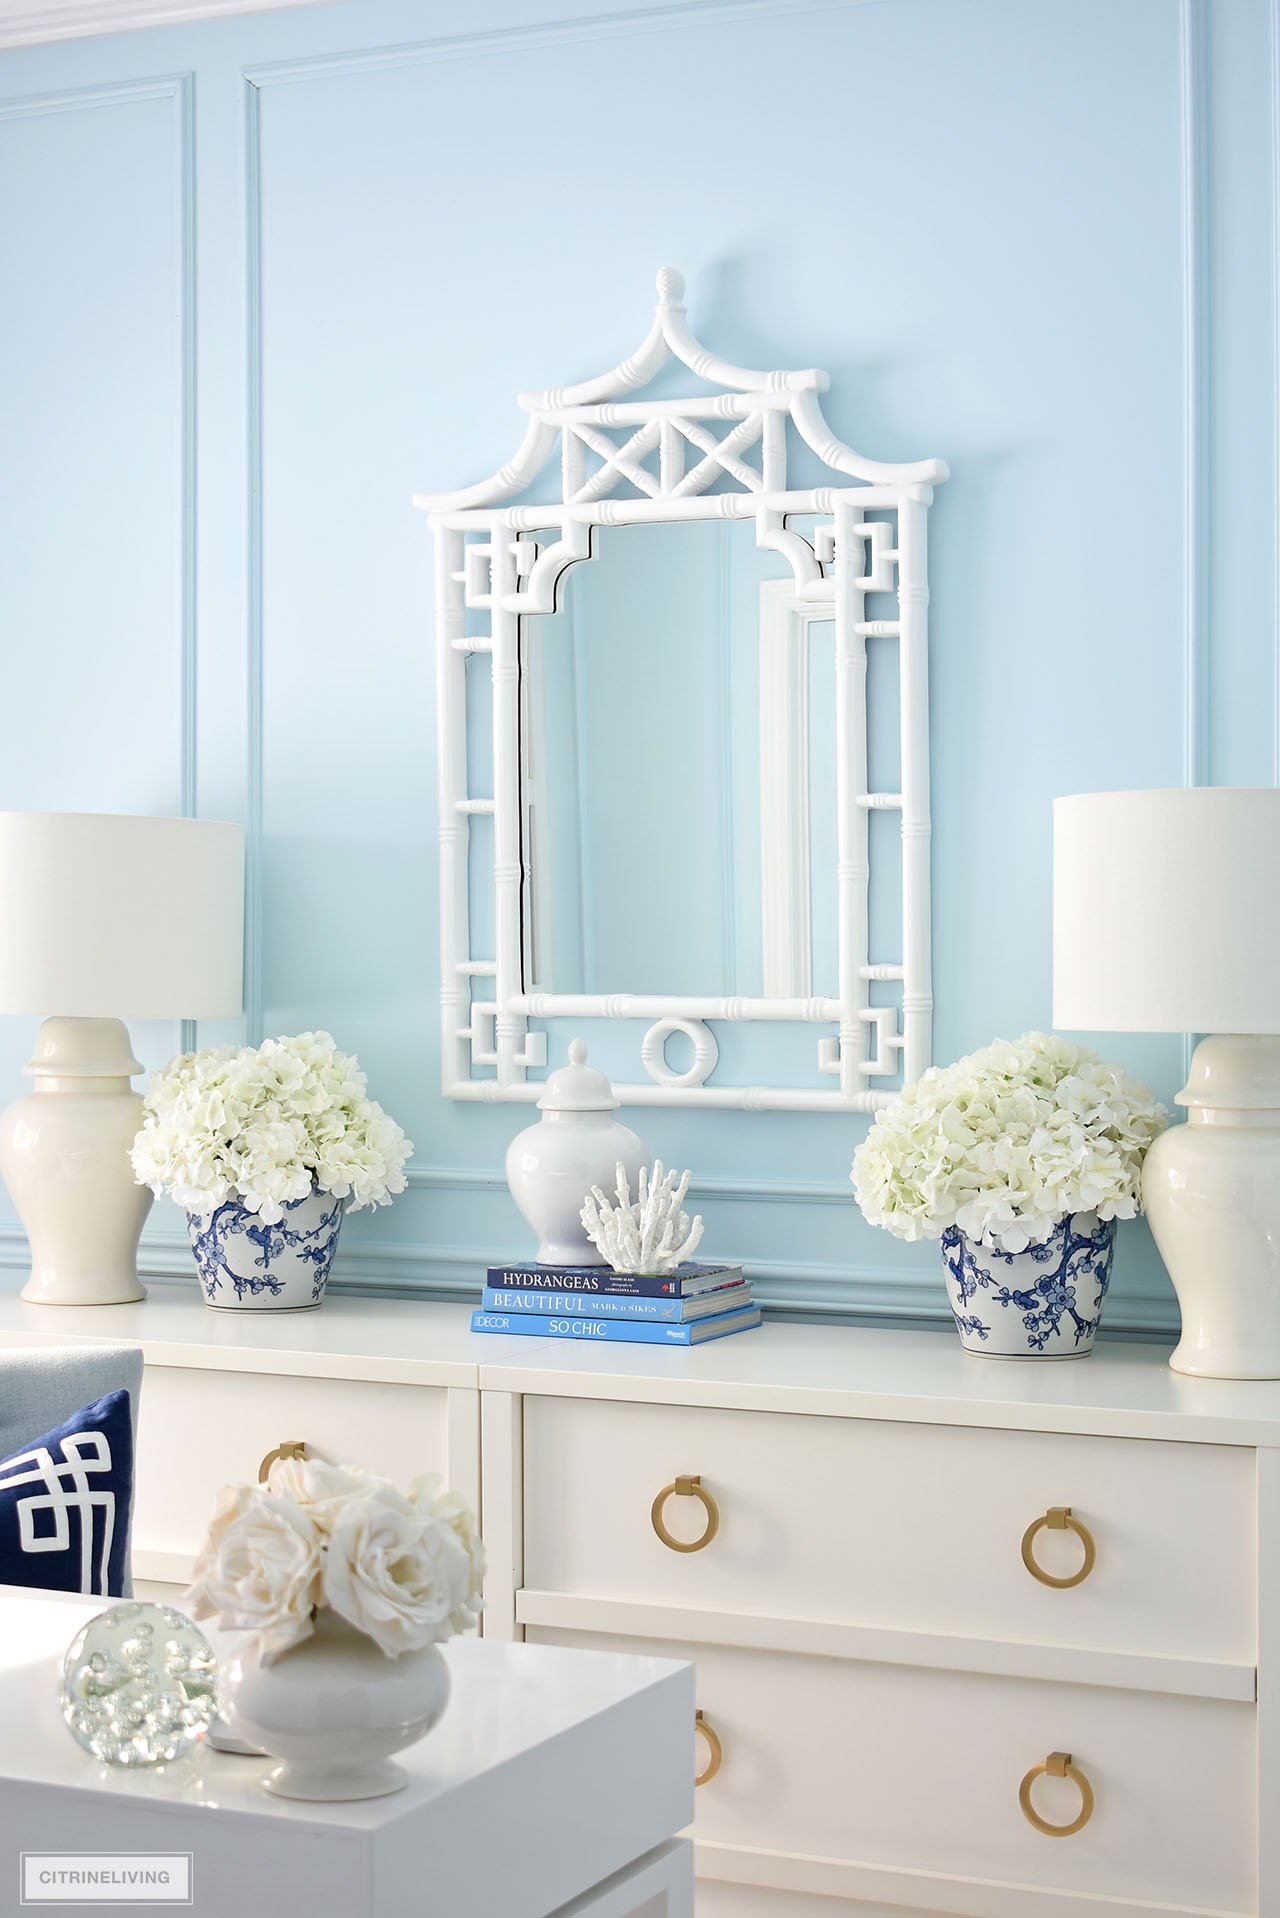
{"x": 577, "y": 1143}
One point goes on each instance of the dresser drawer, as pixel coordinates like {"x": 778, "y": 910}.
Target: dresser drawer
{"x": 719, "y": 1900}
{"x": 199, "y": 1430}
{"x": 914, "y": 1527}
{"x": 894, "y": 1766}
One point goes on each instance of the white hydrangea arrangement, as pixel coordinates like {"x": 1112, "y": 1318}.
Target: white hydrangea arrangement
{"x": 406, "y": 1570}
{"x": 266, "y": 1124}
{"x": 1006, "y": 1143}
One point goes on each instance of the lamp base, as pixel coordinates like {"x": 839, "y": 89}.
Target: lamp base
{"x": 64, "y": 1154}
{"x": 1211, "y": 1189}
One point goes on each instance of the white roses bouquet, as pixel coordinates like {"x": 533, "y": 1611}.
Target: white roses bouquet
{"x": 264, "y": 1125}
{"x": 405, "y": 1570}
{"x": 1006, "y": 1143}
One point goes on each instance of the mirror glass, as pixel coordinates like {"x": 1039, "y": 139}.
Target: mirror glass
{"x": 679, "y": 788}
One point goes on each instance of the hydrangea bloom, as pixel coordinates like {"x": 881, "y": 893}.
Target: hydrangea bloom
{"x": 263, "y": 1125}
{"x": 1005, "y": 1143}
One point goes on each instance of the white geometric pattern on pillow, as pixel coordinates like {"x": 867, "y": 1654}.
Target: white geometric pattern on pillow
{"x": 66, "y": 1491}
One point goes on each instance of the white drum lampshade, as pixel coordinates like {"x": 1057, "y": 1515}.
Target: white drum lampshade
{"x": 1166, "y": 918}
{"x": 103, "y": 917}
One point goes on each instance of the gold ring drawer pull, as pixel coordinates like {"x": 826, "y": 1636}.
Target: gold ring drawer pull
{"x": 1057, "y": 1765}
{"x": 292, "y": 1448}
{"x": 1059, "y": 1518}
{"x": 684, "y": 1487}
{"x": 715, "y": 1751}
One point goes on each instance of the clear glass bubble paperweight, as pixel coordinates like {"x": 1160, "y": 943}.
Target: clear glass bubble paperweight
{"x": 139, "y": 1685}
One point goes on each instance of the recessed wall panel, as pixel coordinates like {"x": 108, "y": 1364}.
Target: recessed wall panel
{"x": 91, "y": 473}
{"x": 966, "y": 216}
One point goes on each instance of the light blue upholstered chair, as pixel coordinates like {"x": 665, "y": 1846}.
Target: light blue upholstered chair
{"x": 43, "y": 1386}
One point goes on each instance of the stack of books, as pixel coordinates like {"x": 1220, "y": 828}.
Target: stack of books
{"x": 593, "y": 1303}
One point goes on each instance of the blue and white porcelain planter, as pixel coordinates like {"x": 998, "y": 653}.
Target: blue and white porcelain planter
{"x": 247, "y": 1265}
{"x": 1043, "y": 1303}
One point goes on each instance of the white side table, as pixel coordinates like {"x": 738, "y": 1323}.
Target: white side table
{"x": 552, "y": 1788}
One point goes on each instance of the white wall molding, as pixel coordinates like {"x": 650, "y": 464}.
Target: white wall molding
{"x": 1196, "y": 395}
{"x": 785, "y": 1284}
{"x": 25, "y": 24}
{"x": 521, "y": 39}
{"x": 255, "y": 743}
{"x": 189, "y": 686}
{"x": 773, "y": 1191}
{"x": 711, "y": 1186}
{"x": 456, "y": 1178}
{"x": 27, "y": 106}
{"x": 803, "y": 1289}
{"x": 1275, "y": 381}
{"x": 1193, "y": 141}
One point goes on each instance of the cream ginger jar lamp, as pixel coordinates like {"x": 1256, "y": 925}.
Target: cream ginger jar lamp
{"x": 102, "y": 918}
{"x": 1166, "y": 918}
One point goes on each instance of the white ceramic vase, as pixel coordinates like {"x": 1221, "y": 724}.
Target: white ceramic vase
{"x": 577, "y": 1143}
{"x": 1043, "y": 1303}
{"x": 334, "y": 1710}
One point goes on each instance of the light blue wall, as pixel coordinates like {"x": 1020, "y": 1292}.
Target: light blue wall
{"x": 265, "y": 277}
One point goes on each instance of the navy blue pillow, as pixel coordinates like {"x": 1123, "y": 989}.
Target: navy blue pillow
{"x": 65, "y": 1501}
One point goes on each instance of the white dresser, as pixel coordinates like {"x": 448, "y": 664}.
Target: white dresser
{"x": 389, "y": 1385}
{"x": 879, "y": 1668}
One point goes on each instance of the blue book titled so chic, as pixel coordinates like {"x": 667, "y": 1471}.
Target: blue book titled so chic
{"x": 592, "y": 1331}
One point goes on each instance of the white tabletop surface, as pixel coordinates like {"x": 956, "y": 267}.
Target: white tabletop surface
{"x": 881, "y": 1372}
{"x": 507, "y": 1700}
{"x": 410, "y": 1342}
{"x": 854, "y": 1371}
{"x": 593, "y": 1749}
{"x": 551, "y": 1775}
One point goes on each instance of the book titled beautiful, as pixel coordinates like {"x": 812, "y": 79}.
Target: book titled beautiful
{"x": 687, "y": 1281}
{"x": 618, "y": 1306}
{"x": 588, "y": 1331}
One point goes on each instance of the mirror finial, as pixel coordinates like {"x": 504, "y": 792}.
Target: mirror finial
{"x": 670, "y": 286}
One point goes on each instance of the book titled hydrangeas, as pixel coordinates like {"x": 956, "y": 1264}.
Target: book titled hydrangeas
{"x": 1020, "y": 1159}
{"x": 265, "y": 1147}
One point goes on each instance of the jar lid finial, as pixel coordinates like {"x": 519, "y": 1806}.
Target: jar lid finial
{"x": 578, "y": 1087}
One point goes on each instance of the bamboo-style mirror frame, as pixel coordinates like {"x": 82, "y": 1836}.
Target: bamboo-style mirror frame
{"x": 625, "y": 461}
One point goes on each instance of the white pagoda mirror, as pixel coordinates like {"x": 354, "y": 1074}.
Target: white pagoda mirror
{"x": 683, "y": 746}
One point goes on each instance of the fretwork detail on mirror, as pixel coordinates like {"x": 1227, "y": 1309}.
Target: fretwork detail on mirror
{"x": 676, "y": 825}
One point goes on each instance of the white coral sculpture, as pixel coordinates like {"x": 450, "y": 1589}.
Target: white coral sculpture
{"x": 653, "y": 1234}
